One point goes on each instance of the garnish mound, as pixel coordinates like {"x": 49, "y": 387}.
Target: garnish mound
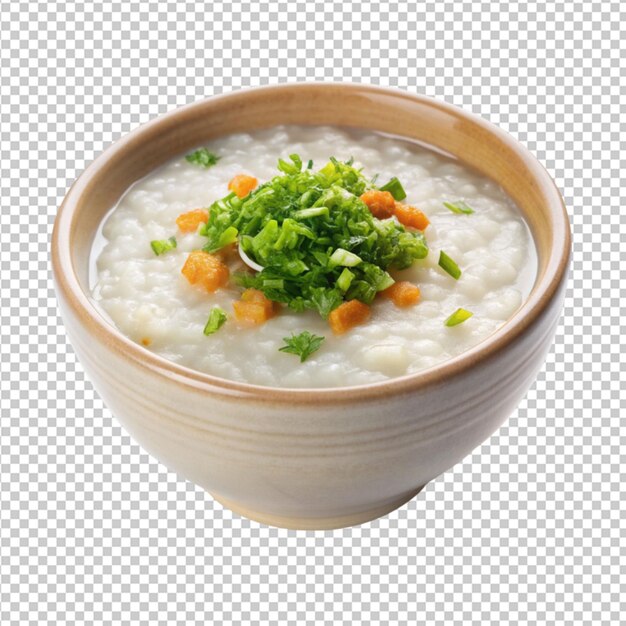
{"x": 317, "y": 241}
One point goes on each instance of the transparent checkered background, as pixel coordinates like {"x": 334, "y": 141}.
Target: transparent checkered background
{"x": 526, "y": 530}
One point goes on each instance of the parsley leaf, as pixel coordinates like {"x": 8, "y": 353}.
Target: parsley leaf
{"x": 302, "y": 345}
{"x": 203, "y": 157}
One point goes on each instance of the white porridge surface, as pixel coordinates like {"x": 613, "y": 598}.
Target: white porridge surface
{"x": 147, "y": 298}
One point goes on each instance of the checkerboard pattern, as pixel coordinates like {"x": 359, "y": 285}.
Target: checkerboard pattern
{"x": 528, "y": 529}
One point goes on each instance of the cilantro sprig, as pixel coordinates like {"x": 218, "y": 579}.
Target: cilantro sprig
{"x": 203, "y": 157}
{"x": 302, "y": 345}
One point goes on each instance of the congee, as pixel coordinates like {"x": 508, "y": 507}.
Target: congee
{"x": 311, "y": 257}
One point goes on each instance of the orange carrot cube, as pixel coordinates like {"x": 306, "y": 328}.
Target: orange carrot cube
{"x": 256, "y": 295}
{"x": 402, "y": 293}
{"x": 242, "y": 185}
{"x": 410, "y": 216}
{"x": 206, "y": 270}
{"x": 347, "y": 315}
{"x": 250, "y": 312}
{"x": 254, "y": 307}
{"x": 380, "y": 203}
{"x": 189, "y": 222}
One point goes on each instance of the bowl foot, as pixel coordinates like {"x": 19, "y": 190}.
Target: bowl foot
{"x": 317, "y": 523}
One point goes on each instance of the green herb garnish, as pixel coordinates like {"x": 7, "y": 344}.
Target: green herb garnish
{"x": 345, "y": 280}
{"x": 344, "y": 258}
{"x": 216, "y": 320}
{"x": 458, "y": 317}
{"x": 161, "y": 246}
{"x": 203, "y": 157}
{"x": 448, "y": 265}
{"x": 395, "y": 188}
{"x": 459, "y": 207}
{"x": 303, "y": 345}
{"x": 304, "y": 228}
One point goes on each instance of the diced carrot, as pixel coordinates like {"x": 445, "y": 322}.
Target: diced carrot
{"x": 189, "y": 222}
{"x": 146, "y": 341}
{"x": 380, "y": 203}
{"x": 410, "y": 216}
{"x": 254, "y": 307}
{"x": 202, "y": 268}
{"x": 250, "y": 312}
{"x": 255, "y": 295}
{"x": 258, "y": 297}
{"x": 347, "y": 315}
{"x": 402, "y": 293}
{"x": 242, "y": 185}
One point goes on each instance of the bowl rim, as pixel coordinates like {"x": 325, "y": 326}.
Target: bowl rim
{"x": 542, "y": 292}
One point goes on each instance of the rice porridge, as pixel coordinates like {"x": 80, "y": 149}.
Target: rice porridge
{"x": 453, "y": 300}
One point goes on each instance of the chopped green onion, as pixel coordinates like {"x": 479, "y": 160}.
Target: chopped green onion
{"x": 302, "y": 345}
{"x": 290, "y": 168}
{"x": 395, "y": 188}
{"x": 312, "y": 212}
{"x": 345, "y": 279}
{"x": 328, "y": 170}
{"x": 203, "y": 158}
{"x": 161, "y": 246}
{"x": 273, "y": 283}
{"x": 448, "y": 265}
{"x": 309, "y": 164}
{"x": 385, "y": 282}
{"x": 458, "y": 317}
{"x": 320, "y": 257}
{"x": 459, "y": 207}
{"x": 227, "y": 237}
{"x": 344, "y": 257}
{"x": 217, "y": 318}
{"x": 303, "y": 228}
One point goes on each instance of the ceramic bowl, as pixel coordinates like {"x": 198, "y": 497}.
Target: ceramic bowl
{"x": 321, "y": 458}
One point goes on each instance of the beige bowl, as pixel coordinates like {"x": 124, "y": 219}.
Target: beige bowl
{"x": 313, "y": 459}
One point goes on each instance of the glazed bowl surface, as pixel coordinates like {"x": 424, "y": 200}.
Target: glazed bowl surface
{"x": 313, "y": 458}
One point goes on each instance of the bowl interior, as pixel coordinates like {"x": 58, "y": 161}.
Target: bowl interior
{"x": 474, "y": 141}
